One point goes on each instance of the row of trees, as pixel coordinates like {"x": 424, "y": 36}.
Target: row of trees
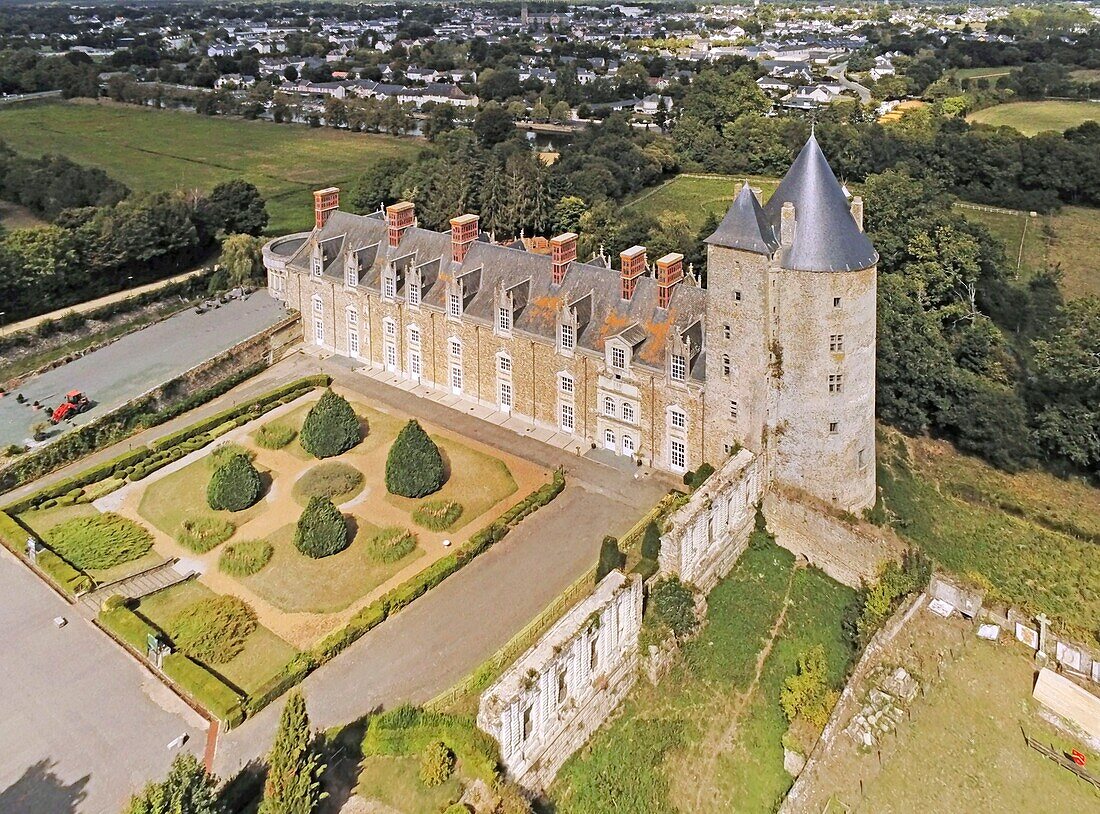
{"x": 52, "y": 183}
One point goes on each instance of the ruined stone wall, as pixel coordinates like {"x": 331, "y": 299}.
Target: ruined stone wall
{"x": 548, "y": 704}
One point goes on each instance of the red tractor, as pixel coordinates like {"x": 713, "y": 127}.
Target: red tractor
{"x": 75, "y": 402}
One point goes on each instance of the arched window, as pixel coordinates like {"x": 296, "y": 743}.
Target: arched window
{"x": 628, "y": 412}
{"x": 609, "y": 406}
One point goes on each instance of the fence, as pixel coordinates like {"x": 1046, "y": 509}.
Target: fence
{"x": 1062, "y": 760}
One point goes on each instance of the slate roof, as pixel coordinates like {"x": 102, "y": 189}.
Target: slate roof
{"x": 745, "y": 226}
{"x": 594, "y": 290}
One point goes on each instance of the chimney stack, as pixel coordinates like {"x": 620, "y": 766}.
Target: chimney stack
{"x": 399, "y": 217}
{"x": 670, "y": 271}
{"x": 786, "y": 224}
{"x": 325, "y": 202}
{"x": 857, "y": 211}
{"x": 464, "y": 232}
{"x": 563, "y": 251}
{"x": 632, "y": 263}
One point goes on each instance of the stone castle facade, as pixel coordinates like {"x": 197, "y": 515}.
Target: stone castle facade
{"x": 776, "y": 355}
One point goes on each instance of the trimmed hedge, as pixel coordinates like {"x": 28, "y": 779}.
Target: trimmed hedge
{"x": 331, "y": 427}
{"x": 66, "y": 578}
{"x": 235, "y": 485}
{"x": 414, "y": 467}
{"x": 322, "y": 531}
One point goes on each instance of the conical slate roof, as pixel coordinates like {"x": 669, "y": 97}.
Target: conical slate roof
{"x": 826, "y": 237}
{"x": 745, "y": 226}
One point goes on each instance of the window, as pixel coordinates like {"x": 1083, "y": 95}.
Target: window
{"x": 389, "y": 356}
{"x": 609, "y": 439}
{"x": 737, "y": 296}
{"x": 733, "y": 409}
{"x": 414, "y": 335}
{"x": 833, "y": 427}
{"x": 527, "y": 722}
{"x": 351, "y": 275}
{"x": 456, "y": 348}
{"x": 594, "y": 652}
{"x": 609, "y": 406}
{"x": 836, "y": 343}
{"x": 315, "y": 267}
{"x": 618, "y": 358}
{"x": 628, "y": 446}
{"x": 565, "y": 383}
{"x": 726, "y": 331}
{"x": 317, "y": 306}
{"x": 628, "y": 412}
{"x": 455, "y": 305}
{"x": 567, "y": 418}
{"x": 504, "y": 363}
{"x": 353, "y": 341}
{"x": 318, "y": 331}
{"x": 389, "y": 286}
{"x": 506, "y": 396}
{"x": 678, "y": 367}
{"x": 415, "y": 368}
{"x": 836, "y": 382}
{"x": 568, "y": 337}
{"x": 728, "y": 448}
{"x": 836, "y": 302}
{"x": 678, "y": 419}
{"x": 456, "y": 378}
{"x": 389, "y": 328}
{"x": 353, "y": 318}
{"x": 677, "y": 455}
{"x": 725, "y": 364}
{"x": 504, "y": 319}
{"x": 414, "y": 295}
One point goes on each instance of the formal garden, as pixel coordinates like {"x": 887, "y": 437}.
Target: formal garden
{"x": 305, "y": 524}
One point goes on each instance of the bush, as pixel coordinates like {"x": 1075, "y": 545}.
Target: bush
{"x": 610, "y": 558}
{"x": 219, "y": 456}
{"x": 651, "y": 542}
{"x": 202, "y": 534}
{"x": 245, "y": 558}
{"x": 331, "y": 427}
{"x": 698, "y": 477}
{"x": 414, "y": 467}
{"x": 437, "y": 515}
{"x": 99, "y": 541}
{"x": 807, "y": 693}
{"x": 436, "y": 764}
{"x": 671, "y": 603}
{"x": 235, "y": 485}
{"x": 322, "y": 530}
{"x": 391, "y": 544}
{"x": 213, "y": 630}
{"x": 334, "y": 480}
{"x": 274, "y": 435}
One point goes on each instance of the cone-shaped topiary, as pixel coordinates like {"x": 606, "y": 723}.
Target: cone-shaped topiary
{"x": 322, "y": 530}
{"x": 610, "y": 558}
{"x": 414, "y": 467}
{"x": 235, "y": 485}
{"x": 331, "y": 427}
{"x": 293, "y": 777}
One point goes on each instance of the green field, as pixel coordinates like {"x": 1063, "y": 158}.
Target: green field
{"x": 992, "y": 74}
{"x": 697, "y": 195}
{"x": 155, "y": 150}
{"x": 1035, "y": 117}
{"x": 709, "y": 737}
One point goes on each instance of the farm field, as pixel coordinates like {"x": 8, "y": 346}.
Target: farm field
{"x": 1035, "y": 117}
{"x": 709, "y": 737}
{"x": 992, "y": 74}
{"x": 155, "y": 150}
{"x": 697, "y": 195}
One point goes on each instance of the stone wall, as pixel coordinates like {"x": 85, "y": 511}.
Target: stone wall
{"x": 707, "y": 534}
{"x": 548, "y": 704}
{"x": 847, "y": 549}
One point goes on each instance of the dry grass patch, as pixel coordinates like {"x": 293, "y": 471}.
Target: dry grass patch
{"x": 245, "y": 558}
{"x": 391, "y": 545}
{"x": 437, "y": 515}
{"x": 202, "y": 534}
{"x": 274, "y": 435}
{"x": 334, "y": 480}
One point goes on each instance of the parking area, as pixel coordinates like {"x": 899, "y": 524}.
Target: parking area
{"x": 136, "y": 363}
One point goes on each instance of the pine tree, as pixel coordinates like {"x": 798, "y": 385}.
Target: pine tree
{"x": 414, "y": 467}
{"x": 331, "y": 427}
{"x": 188, "y": 789}
{"x": 293, "y": 776}
{"x": 651, "y": 542}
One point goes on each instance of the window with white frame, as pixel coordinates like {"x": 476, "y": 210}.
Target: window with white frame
{"x": 316, "y": 265}
{"x": 567, "y": 418}
{"x": 456, "y": 378}
{"x": 505, "y": 396}
{"x": 353, "y": 341}
{"x": 389, "y": 328}
{"x": 351, "y": 274}
{"x": 318, "y": 331}
{"x": 833, "y": 426}
{"x": 454, "y": 307}
{"x": 352, "y": 316}
{"x": 414, "y": 335}
{"x": 504, "y": 319}
{"x": 568, "y": 337}
{"x": 678, "y": 367}
{"x": 413, "y": 295}
{"x": 836, "y": 382}
{"x": 456, "y": 348}
{"x": 726, "y": 331}
{"x": 318, "y": 306}
{"x": 504, "y": 363}
{"x": 389, "y": 286}
{"x": 389, "y": 356}
{"x": 628, "y": 412}
{"x": 618, "y": 358}
{"x": 677, "y": 454}
{"x": 415, "y": 365}
{"x": 565, "y": 383}
{"x": 677, "y": 418}
{"x": 609, "y": 406}
{"x": 737, "y": 296}
{"x": 836, "y": 343}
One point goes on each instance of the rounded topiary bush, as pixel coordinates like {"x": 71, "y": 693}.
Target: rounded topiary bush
{"x": 213, "y": 630}
{"x": 436, "y": 764}
{"x": 414, "y": 467}
{"x": 322, "y": 530}
{"x": 235, "y": 485}
{"x": 331, "y": 427}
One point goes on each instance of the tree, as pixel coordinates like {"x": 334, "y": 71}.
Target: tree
{"x": 493, "y": 124}
{"x": 610, "y": 558}
{"x": 807, "y": 693}
{"x": 243, "y": 259}
{"x": 235, "y": 206}
{"x": 672, "y": 604}
{"x": 375, "y": 186}
{"x": 567, "y": 214}
{"x": 560, "y": 112}
{"x": 436, "y": 764}
{"x": 414, "y": 467}
{"x": 651, "y": 542}
{"x": 235, "y": 485}
{"x": 294, "y": 773}
{"x": 321, "y": 530}
{"x": 188, "y": 789}
{"x": 331, "y": 427}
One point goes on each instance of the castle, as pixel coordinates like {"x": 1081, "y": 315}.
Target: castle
{"x": 776, "y": 355}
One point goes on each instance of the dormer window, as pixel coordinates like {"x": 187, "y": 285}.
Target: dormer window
{"x": 389, "y": 285}
{"x": 504, "y": 319}
{"x": 568, "y": 337}
{"x": 677, "y": 369}
{"x": 413, "y": 294}
{"x": 454, "y": 305}
{"x": 351, "y": 274}
{"x": 618, "y": 358}
{"x": 317, "y": 264}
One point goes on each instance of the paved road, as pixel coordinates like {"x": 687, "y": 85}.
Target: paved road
{"x": 838, "y": 73}
{"x": 138, "y": 362}
{"x": 82, "y": 726}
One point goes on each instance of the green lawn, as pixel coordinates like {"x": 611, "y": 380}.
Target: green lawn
{"x": 697, "y": 195}
{"x": 155, "y": 150}
{"x": 393, "y": 782}
{"x": 708, "y": 738}
{"x": 994, "y": 75}
{"x": 264, "y": 655}
{"x": 1035, "y": 117}
{"x": 294, "y": 582}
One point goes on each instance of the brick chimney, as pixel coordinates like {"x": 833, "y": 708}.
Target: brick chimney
{"x": 670, "y": 271}
{"x": 632, "y": 264}
{"x": 563, "y": 251}
{"x": 399, "y": 217}
{"x": 325, "y": 202}
{"x": 464, "y": 231}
